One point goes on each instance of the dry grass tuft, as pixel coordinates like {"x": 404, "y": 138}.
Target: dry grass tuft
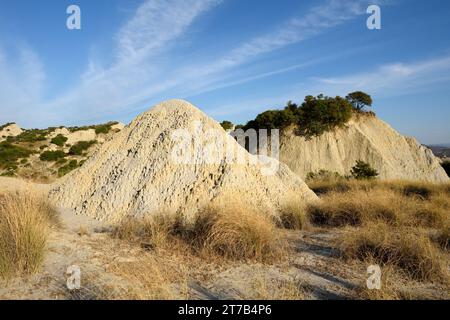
{"x": 406, "y": 248}
{"x": 236, "y": 232}
{"x": 293, "y": 215}
{"x": 228, "y": 230}
{"x": 263, "y": 288}
{"x": 150, "y": 279}
{"x": 363, "y": 204}
{"x": 152, "y": 232}
{"x": 353, "y": 208}
{"x": 25, "y": 218}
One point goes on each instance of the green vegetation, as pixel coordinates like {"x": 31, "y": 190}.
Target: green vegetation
{"x": 78, "y": 148}
{"x": 446, "y": 166}
{"x": 30, "y": 136}
{"x": 59, "y": 140}
{"x": 99, "y": 129}
{"x": 6, "y": 125}
{"x": 321, "y": 114}
{"x": 324, "y": 175}
{"x": 315, "y": 116}
{"x": 72, "y": 165}
{"x": 363, "y": 170}
{"x": 359, "y": 100}
{"x": 52, "y": 155}
{"x": 9, "y": 154}
{"x": 227, "y": 125}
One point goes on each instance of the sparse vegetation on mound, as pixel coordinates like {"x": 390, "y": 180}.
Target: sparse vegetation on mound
{"x": 30, "y": 136}
{"x": 80, "y": 147}
{"x": 227, "y": 125}
{"x": 99, "y": 129}
{"x": 51, "y": 156}
{"x": 25, "y": 219}
{"x": 314, "y": 116}
{"x": 59, "y": 140}
{"x": 3, "y": 126}
{"x": 72, "y": 165}
{"x": 10, "y": 154}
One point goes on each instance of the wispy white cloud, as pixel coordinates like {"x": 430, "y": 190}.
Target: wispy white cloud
{"x": 395, "y": 78}
{"x": 143, "y": 69}
{"x": 21, "y": 82}
{"x": 156, "y": 23}
{"x": 388, "y": 80}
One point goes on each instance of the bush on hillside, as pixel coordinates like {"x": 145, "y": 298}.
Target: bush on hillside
{"x": 6, "y": 125}
{"x": 30, "y": 136}
{"x": 324, "y": 175}
{"x": 9, "y": 154}
{"x": 78, "y": 148}
{"x": 59, "y": 140}
{"x": 227, "y": 125}
{"x": 321, "y": 114}
{"x": 315, "y": 116}
{"x": 99, "y": 129}
{"x": 363, "y": 170}
{"x": 52, "y": 155}
{"x": 72, "y": 165}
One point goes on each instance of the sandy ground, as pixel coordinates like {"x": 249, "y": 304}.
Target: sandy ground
{"x": 81, "y": 241}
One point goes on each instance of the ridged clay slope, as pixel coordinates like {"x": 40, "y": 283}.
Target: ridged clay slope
{"x": 365, "y": 138}
{"x": 135, "y": 173}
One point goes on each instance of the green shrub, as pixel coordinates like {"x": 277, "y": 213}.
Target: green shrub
{"x": 227, "y": 125}
{"x": 101, "y": 128}
{"x": 272, "y": 119}
{"x": 446, "y": 166}
{"x": 30, "y": 136}
{"x": 324, "y": 175}
{"x": 6, "y": 125}
{"x": 72, "y": 165}
{"x": 9, "y": 154}
{"x": 315, "y": 116}
{"x": 321, "y": 114}
{"x": 78, "y": 148}
{"x": 363, "y": 170}
{"x": 59, "y": 140}
{"x": 52, "y": 155}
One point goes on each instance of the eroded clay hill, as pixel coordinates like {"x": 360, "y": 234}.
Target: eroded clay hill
{"x": 146, "y": 169}
{"x": 365, "y": 138}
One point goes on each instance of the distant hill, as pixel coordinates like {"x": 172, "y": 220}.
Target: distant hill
{"x": 441, "y": 151}
{"x": 365, "y": 138}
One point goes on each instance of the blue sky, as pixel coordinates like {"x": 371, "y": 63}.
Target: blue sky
{"x": 231, "y": 58}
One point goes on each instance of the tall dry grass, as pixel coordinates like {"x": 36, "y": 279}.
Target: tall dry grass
{"x": 397, "y": 204}
{"x": 25, "y": 218}
{"x": 409, "y": 249}
{"x": 399, "y": 224}
{"x": 237, "y": 232}
{"x": 227, "y": 229}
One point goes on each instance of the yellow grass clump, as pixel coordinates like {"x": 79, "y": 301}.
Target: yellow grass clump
{"x": 25, "y": 218}
{"x": 235, "y": 231}
{"x": 227, "y": 229}
{"x": 406, "y": 248}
